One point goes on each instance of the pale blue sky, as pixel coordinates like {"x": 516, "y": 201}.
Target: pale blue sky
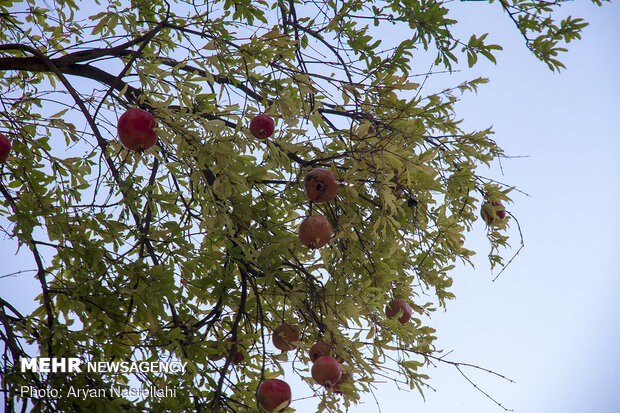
{"x": 551, "y": 321}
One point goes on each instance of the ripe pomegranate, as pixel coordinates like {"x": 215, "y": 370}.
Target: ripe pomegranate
{"x": 320, "y": 349}
{"x": 346, "y": 377}
{"x": 5, "y": 148}
{"x": 320, "y": 185}
{"x": 274, "y": 395}
{"x": 501, "y": 211}
{"x": 262, "y": 126}
{"x": 326, "y": 371}
{"x": 284, "y": 336}
{"x": 491, "y": 210}
{"x": 395, "y": 307}
{"x": 135, "y": 130}
{"x": 315, "y": 231}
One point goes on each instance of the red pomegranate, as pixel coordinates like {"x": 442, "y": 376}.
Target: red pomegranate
{"x": 396, "y": 306}
{"x": 320, "y": 185}
{"x": 284, "y": 335}
{"x": 326, "y": 371}
{"x": 320, "y": 349}
{"x": 346, "y": 377}
{"x": 491, "y": 210}
{"x": 136, "y": 130}
{"x": 262, "y": 126}
{"x": 274, "y": 395}
{"x": 5, "y": 148}
{"x": 315, "y": 231}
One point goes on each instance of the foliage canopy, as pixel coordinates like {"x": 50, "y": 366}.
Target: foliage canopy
{"x": 190, "y": 249}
